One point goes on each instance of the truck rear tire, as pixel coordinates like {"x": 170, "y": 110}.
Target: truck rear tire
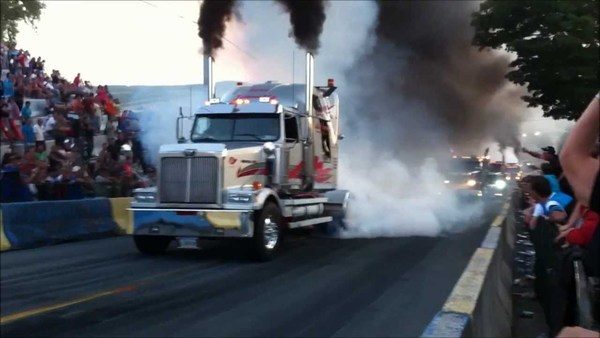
{"x": 268, "y": 232}
{"x": 152, "y": 245}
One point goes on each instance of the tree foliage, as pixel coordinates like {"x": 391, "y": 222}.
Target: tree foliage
{"x": 556, "y": 46}
{"x": 13, "y": 11}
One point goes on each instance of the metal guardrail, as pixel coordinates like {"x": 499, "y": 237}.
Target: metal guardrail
{"x": 584, "y": 296}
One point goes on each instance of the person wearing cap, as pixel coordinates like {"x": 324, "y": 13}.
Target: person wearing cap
{"x": 549, "y": 155}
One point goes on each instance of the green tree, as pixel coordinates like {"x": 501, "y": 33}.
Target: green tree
{"x": 13, "y": 11}
{"x": 556, "y": 47}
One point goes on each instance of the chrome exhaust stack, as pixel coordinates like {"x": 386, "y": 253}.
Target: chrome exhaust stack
{"x": 308, "y": 151}
{"x": 209, "y": 80}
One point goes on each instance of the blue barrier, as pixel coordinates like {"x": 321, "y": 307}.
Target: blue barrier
{"x": 32, "y": 224}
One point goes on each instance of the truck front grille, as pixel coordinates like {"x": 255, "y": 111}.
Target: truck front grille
{"x": 189, "y": 180}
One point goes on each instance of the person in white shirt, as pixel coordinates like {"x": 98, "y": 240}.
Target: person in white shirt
{"x": 50, "y": 124}
{"x": 38, "y": 130}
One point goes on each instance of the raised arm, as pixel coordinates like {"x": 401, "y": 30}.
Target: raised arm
{"x": 578, "y": 165}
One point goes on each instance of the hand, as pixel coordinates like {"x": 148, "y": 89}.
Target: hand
{"x": 562, "y": 235}
{"x": 565, "y": 227}
{"x": 577, "y": 332}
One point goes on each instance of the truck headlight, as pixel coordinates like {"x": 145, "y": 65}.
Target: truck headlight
{"x": 239, "y": 198}
{"x": 500, "y": 184}
{"x": 471, "y": 183}
{"x": 145, "y": 197}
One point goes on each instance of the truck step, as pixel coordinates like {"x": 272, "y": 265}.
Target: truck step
{"x": 311, "y": 221}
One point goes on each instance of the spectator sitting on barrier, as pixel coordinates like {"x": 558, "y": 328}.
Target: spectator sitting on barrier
{"x": 581, "y": 226}
{"x": 549, "y": 173}
{"x": 544, "y": 206}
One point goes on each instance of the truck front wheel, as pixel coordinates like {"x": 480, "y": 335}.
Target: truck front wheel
{"x": 267, "y": 232}
{"x": 152, "y": 245}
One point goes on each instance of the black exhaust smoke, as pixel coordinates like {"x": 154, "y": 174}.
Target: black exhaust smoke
{"x": 432, "y": 85}
{"x": 214, "y": 14}
{"x": 307, "y": 18}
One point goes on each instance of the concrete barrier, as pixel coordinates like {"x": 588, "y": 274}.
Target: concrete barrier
{"x": 31, "y": 224}
{"x": 480, "y": 305}
{"x": 4, "y": 243}
{"x": 122, "y": 216}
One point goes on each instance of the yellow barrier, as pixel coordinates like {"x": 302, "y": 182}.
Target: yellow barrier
{"x": 4, "y": 243}
{"x": 120, "y": 214}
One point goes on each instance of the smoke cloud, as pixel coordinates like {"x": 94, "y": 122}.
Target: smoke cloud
{"x": 418, "y": 90}
{"x": 307, "y": 18}
{"x": 432, "y": 76}
{"x": 214, "y": 15}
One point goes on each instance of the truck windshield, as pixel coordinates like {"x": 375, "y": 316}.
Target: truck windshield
{"x": 235, "y": 127}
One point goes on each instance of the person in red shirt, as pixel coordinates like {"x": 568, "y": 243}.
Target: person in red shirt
{"x": 21, "y": 59}
{"x": 110, "y": 108}
{"x": 76, "y": 104}
{"x": 580, "y": 230}
{"x": 77, "y": 80}
{"x": 101, "y": 95}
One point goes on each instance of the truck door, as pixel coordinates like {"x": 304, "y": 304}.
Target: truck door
{"x": 293, "y": 150}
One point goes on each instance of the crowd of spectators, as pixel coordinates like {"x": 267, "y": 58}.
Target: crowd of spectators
{"x": 52, "y": 154}
{"x": 560, "y": 208}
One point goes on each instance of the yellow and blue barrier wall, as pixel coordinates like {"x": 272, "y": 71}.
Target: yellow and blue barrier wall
{"x": 480, "y": 305}
{"x": 31, "y": 224}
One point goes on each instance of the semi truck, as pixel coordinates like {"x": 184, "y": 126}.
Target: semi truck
{"x": 259, "y": 160}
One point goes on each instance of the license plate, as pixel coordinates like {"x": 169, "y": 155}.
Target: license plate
{"x": 187, "y": 242}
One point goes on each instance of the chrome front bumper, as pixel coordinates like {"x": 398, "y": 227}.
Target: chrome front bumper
{"x": 193, "y": 222}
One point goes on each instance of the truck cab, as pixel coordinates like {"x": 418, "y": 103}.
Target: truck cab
{"x": 258, "y": 161}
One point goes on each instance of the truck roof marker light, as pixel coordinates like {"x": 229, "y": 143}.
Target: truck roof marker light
{"x": 256, "y": 185}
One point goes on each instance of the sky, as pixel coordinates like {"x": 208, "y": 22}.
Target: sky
{"x": 119, "y": 42}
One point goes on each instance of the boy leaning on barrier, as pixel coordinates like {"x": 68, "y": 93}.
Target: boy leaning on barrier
{"x": 540, "y": 192}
